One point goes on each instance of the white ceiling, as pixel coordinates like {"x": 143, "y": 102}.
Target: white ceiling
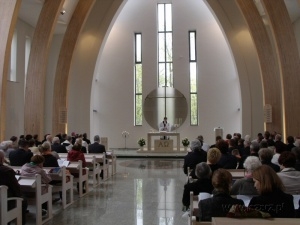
{"x": 30, "y": 10}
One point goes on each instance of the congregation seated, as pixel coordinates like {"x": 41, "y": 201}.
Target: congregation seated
{"x": 193, "y": 158}
{"x": 289, "y": 176}
{"x": 202, "y": 184}
{"x": 227, "y": 161}
{"x": 21, "y": 155}
{"x": 272, "y": 198}
{"x": 265, "y": 156}
{"x": 57, "y": 147}
{"x": 221, "y": 201}
{"x": 213, "y": 157}
{"x": 34, "y": 149}
{"x": 245, "y": 186}
{"x": 8, "y": 178}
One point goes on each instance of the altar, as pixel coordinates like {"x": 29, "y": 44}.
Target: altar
{"x": 163, "y": 145}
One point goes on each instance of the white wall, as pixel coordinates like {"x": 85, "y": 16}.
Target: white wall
{"x": 112, "y": 93}
{"x": 15, "y": 90}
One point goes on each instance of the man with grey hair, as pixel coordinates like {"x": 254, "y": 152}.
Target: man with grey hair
{"x": 245, "y": 186}
{"x": 197, "y": 155}
{"x": 96, "y": 147}
{"x": 57, "y": 147}
{"x": 265, "y": 156}
{"x": 203, "y": 183}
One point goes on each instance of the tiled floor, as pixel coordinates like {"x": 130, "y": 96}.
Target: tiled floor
{"x": 143, "y": 192}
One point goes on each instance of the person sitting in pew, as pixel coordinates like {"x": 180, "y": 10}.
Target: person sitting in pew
{"x": 265, "y": 156}
{"x": 245, "y": 186}
{"x": 272, "y": 198}
{"x": 74, "y": 155}
{"x": 203, "y": 183}
{"x": 36, "y": 167}
{"x": 21, "y": 155}
{"x": 289, "y": 176}
{"x": 50, "y": 160}
{"x": 221, "y": 202}
{"x": 96, "y": 147}
{"x": 193, "y": 158}
{"x": 213, "y": 157}
{"x": 8, "y": 178}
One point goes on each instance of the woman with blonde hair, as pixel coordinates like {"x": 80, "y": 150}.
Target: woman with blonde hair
{"x": 272, "y": 198}
{"x": 213, "y": 157}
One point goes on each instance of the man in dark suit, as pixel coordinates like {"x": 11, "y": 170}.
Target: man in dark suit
{"x": 21, "y": 155}
{"x": 96, "y": 147}
{"x": 57, "y": 147}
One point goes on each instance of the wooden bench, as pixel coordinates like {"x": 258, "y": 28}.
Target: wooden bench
{"x": 194, "y": 210}
{"x": 112, "y": 161}
{"x": 100, "y": 159}
{"x": 94, "y": 170}
{"x": 34, "y": 185}
{"x": 65, "y": 187}
{"x": 83, "y": 176}
{"x": 6, "y": 215}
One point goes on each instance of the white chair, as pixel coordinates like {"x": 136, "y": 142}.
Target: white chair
{"x": 66, "y": 186}
{"x": 112, "y": 161}
{"x": 83, "y": 176}
{"x": 94, "y": 169}
{"x": 34, "y": 185}
{"x": 12, "y": 214}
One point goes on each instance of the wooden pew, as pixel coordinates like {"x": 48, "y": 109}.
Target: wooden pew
{"x": 194, "y": 211}
{"x": 12, "y": 214}
{"x": 100, "y": 159}
{"x": 83, "y": 176}
{"x": 66, "y": 185}
{"x": 34, "y": 185}
{"x": 94, "y": 169}
{"x": 112, "y": 161}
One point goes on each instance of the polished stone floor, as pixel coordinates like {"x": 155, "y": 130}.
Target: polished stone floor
{"x": 143, "y": 192}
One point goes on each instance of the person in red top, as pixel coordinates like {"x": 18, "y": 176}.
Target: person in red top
{"x": 74, "y": 155}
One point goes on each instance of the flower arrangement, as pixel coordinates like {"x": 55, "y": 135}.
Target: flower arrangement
{"x": 185, "y": 142}
{"x": 141, "y": 142}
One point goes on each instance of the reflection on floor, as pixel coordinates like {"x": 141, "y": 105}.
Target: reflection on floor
{"x": 143, "y": 192}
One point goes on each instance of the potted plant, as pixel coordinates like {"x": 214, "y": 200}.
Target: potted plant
{"x": 185, "y": 142}
{"x": 141, "y": 142}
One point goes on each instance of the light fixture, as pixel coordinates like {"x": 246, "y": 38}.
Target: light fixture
{"x": 63, "y": 12}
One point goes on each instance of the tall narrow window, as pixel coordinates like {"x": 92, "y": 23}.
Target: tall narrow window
{"x": 138, "y": 73}
{"x": 13, "y": 59}
{"x": 27, "y": 53}
{"x": 193, "y": 78}
{"x": 165, "y": 56}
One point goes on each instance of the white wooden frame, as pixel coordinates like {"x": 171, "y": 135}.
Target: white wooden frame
{"x": 12, "y": 214}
